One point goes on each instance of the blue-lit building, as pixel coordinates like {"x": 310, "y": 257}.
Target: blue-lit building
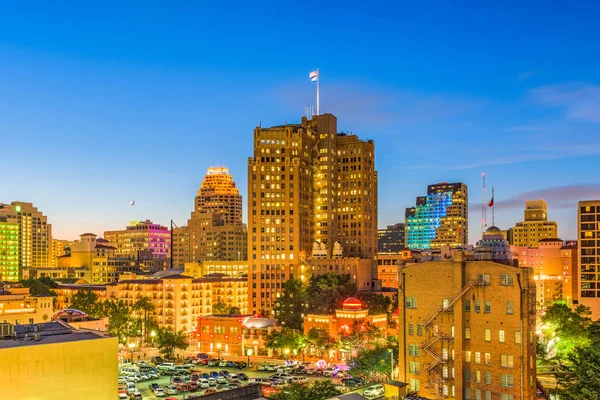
{"x": 438, "y": 219}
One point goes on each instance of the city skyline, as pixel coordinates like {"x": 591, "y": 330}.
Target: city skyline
{"x": 101, "y": 108}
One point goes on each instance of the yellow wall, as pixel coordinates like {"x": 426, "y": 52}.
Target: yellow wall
{"x": 84, "y": 369}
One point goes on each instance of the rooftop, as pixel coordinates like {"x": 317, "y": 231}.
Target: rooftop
{"x": 49, "y": 333}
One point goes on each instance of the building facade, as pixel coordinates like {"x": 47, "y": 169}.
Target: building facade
{"x": 307, "y": 184}
{"x": 534, "y": 227}
{"x": 18, "y": 306}
{"x": 554, "y": 264}
{"x": 228, "y": 268}
{"x": 388, "y": 266}
{"x": 469, "y": 330}
{"x": 9, "y": 249}
{"x": 439, "y": 219}
{"x": 34, "y": 240}
{"x": 140, "y": 236}
{"x": 391, "y": 239}
{"x": 215, "y": 231}
{"x": 60, "y": 362}
{"x": 588, "y": 229}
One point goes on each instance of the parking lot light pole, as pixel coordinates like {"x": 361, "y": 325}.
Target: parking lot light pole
{"x": 131, "y": 346}
{"x": 219, "y": 351}
{"x": 249, "y": 353}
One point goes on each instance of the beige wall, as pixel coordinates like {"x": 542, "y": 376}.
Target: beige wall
{"x": 84, "y": 369}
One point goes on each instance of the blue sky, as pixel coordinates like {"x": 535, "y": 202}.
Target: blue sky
{"x": 105, "y": 103}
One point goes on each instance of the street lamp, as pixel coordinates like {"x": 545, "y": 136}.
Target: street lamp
{"x": 249, "y": 353}
{"x": 152, "y": 335}
{"x": 286, "y": 352}
{"x": 219, "y": 351}
{"x": 131, "y": 346}
{"x": 392, "y": 365}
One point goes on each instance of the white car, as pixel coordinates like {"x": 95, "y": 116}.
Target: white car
{"x": 328, "y": 372}
{"x": 171, "y": 389}
{"x": 374, "y": 391}
{"x": 221, "y": 380}
{"x": 203, "y": 383}
{"x": 159, "y": 392}
{"x": 223, "y": 363}
{"x": 212, "y": 382}
{"x": 167, "y": 365}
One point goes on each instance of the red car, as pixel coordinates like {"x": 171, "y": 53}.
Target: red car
{"x": 210, "y": 391}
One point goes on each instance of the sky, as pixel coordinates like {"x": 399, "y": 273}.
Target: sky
{"x": 108, "y": 102}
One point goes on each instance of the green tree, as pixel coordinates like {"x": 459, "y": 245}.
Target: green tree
{"x": 320, "y": 341}
{"x": 287, "y": 338}
{"x": 317, "y": 390}
{"x": 42, "y": 286}
{"x": 87, "y": 301}
{"x": 143, "y": 307}
{"x": 581, "y": 377}
{"x": 325, "y": 293}
{"x": 564, "y": 329}
{"x": 362, "y": 334}
{"x": 121, "y": 322}
{"x": 234, "y": 310}
{"x": 376, "y": 303}
{"x": 291, "y": 305}
{"x": 220, "y": 308}
{"x": 373, "y": 362}
{"x": 169, "y": 341}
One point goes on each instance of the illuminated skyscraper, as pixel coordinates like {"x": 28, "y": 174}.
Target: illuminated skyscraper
{"x": 312, "y": 200}
{"x": 391, "y": 239}
{"x": 439, "y": 219}
{"x": 588, "y": 229}
{"x": 535, "y": 227}
{"x": 34, "y": 238}
{"x": 140, "y": 236}
{"x": 215, "y": 231}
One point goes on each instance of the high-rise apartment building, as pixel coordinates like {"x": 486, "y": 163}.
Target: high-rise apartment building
{"x": 312, "y": 194}
{"x": 9, "y": 249}
{"x": 140, "y": 236}
{"x": 34, "y": 238}
{"x": 535, "y": 227}
{"x": 440, "y": 218}
{"x": 469, "y": 330}
{"x": 588, "y": 231}
{"x": 391, "y": 239}
{"x": 58, "y": 249}
{"x": 215, "y": 231}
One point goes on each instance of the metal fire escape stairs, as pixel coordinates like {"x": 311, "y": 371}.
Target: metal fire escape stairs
{"x": 436, "y": 379}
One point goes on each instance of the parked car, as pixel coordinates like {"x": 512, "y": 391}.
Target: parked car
{"x": 272, "y": 367}
{"x": 166, "y": 365}
{"x": 170, "y": 371}
{"x": 135, "y": 395}
{"x": 203, "y": 383}
{"x": 193, "y": 386}
{"x": 183, "y": 387}
{"x": 210, "y": 391}
{"x": 202, "y": 356}
{"x": 214, "y": 362}
{"x": 153, "y": 386}
{"x": 205, "y": 375}
{"x": 159, "y": 392}
{"x": 176, "y": 380}
{"x": 224, "y": 372}
{"x": 260, "y": 380}
{"x": 374, "y": 391}
{"x": 221, "y": 380}
{"x": 262, "y": 367}
{"x": 157, "y": 360}
{"x": 214, "y": 374}
{"x": 243, "y": 377}
{"x": 311, "y": 371}
{"x": 212, "y": 381}
{"x": 223, "y": 363}
{"x": 204, "y": 361}
{"x": 171, "y": 389}
{"x": 328, "y": 372}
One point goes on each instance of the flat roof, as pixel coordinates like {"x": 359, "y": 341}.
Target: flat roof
{"x": 51, "y": 333}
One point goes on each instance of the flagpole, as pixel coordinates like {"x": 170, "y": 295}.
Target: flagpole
{"x": 318, "y": 80}
{"x": 493, "y": 207}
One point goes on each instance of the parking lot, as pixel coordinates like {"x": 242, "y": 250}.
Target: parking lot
{"x": 144, "y": 387}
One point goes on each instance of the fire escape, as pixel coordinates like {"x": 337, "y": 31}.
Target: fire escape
{"x": 434, "y": 368}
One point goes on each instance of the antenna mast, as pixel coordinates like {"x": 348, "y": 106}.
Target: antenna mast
{"x": 483, "y": 206}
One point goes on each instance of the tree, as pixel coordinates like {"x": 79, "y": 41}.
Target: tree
{"x": 377, "y": 303}
{"x": 87, "y": 301}
{"x": 220, "y": 308}
{"x": 317, "y": 390}
{"x": 121, "y": 322}
{"x": 287, "y": 338}
{"x": 563, "y": 330}
{"x": 169, "y": 341}
{"x": 581, "y": 378}
{"x": 362, "y": 334}
{"x": 325, "y": 293}
{"x": 291, "y": 305}
{"x": 234, "y": 311}
{"x": 144, "y": 306}
{"x": 320, "y": 341}
{"x": 372, "y": 362}
{"x": 40, "y": 287}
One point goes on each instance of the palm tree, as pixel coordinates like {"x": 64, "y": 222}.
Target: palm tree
{"x": 144, "y": 307}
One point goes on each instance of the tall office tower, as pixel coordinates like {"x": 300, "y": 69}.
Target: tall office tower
{"x": 391, "y": 239}
{"x": 440, "y": 218}
{"x": 35, "y": 236}
{"x": 9, "y": 249}
{"x": 59, "y": 248}
{"x": 312, "y": 201}
{"x": 588, "y": 228}
{"x": 215, "y": 231}
{"x": 469, "y": 330}
{"x": 535, "y": 227}
{"x": 140, "y": 236}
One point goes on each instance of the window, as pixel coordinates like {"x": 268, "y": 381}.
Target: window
{"x": 484, "y": 279}
{"x": 501, "y": 336}
{"x": 467, "y": 393}
{"x": 487, "y": 395}
{"x": 518, "y": 337}
{"x": 487, "y": 335}
{"x": 504, "y": 396}
{"x": 506, "y": 361}
{"x": 468, "y": 356}
{"x": 477, "y": 377}
{"x": 487, "y": 378}
{"x": 510, "y": 307}
{"x": 488, "y": 359}
{"x": 467, "y": 305}
{"x": 507, "y": 279}
{"x": 411, "y": 302}
{"x": 413, "y": 350}
{"x": 467, "y": 373}
{"x": 477, "y": 357}
{"x": 411, "y": 329}
{"x": 487, "y": 306}
{"x": 419, "y": 330}
{"x": 413, "y": 367}
{"x": 415, "y": 385}
{"x": 467, "y": 333}
{"x": 477, "y": 306}
{"x": 507, "y": 380}
{"x": 445, "y": 303}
